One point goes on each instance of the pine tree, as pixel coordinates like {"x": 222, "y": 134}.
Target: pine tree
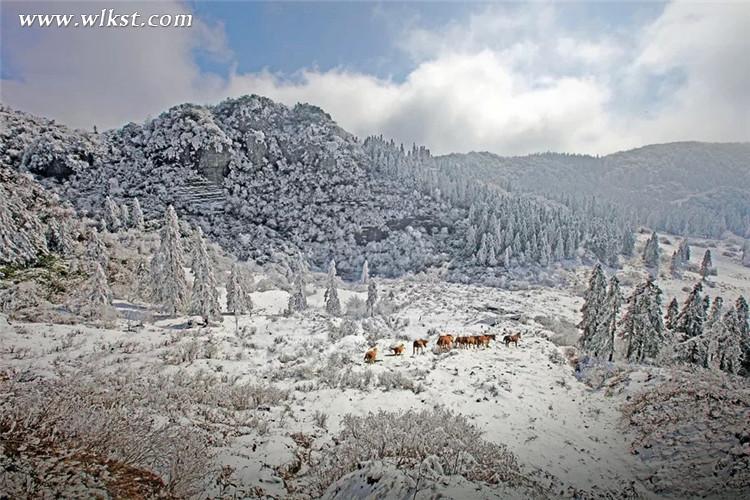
{"x": 96, "y": 251}
{"x": 95, "y": 301}
{"x": 725, "y": 347}
{"x": 170, "y": 288}
{"x": 111, "y": 215}
{"x": 136, "y": 219}
{"x": 372, "y": 297}
{"x": 693, "y": 314}
{"x": 706, "y": 264}
{"x": 683, "y": 251}
{"x": 613, "y": 304}
{"x": 593, "y": 324}
{"x": 628, "y": 242}
{"x": 297, "y": 299}
{"x": 746, "y": 253}
{"x": 58, "y": 237}
{"x": 651, "y": 252}
{"x": 674, "y": 265}
{"x": 642, "y": 323}
{"x": 365, "y": 273}
{"x": 124, "y": 216}
{"x": 673, "y": 310}
{"x": 333, "y": 306}
{"x": 143, "y": 281}
{"x": 741, "y": 326}
{"x": 204, "y": 300}
{"x": 238, "y": 297}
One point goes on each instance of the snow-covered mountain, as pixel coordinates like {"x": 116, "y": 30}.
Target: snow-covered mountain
{"x": 268, "y": 182}
{"x": 683, "y": 187}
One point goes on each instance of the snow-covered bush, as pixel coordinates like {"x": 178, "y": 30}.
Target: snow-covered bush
{"x": 397, "y": 380}
{"x": 407, "y": 439}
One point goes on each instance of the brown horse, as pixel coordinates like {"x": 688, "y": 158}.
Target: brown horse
{"x": 419, "y": 345}
{"x": 444, "y": 342}
{"x": 512, "y": 339}
{"x": 398, "y": 350}
{"x": 371, "y": 355}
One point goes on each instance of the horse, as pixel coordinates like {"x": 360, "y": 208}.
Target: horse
{"x": 371, "y": 355}
{"x": 444, "y": 342}
{"x": 419, "y": 345}
{"x": 398, "y": 350}
{"x": 512, "y": 339}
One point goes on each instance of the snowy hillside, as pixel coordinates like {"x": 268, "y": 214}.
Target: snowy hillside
{"x": 269, "y": 182}
{"x": 685, "y": 187}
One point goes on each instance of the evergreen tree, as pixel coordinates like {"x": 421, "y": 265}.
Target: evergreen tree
{"x": 238, "y": 297}
{"x": 628, "y": 242}
{"x": 95, "y": 300}
{"x": 741, "y": 326}
{"x": 365, "y": 273}
{"x": 111, "y": 215}
{"x": 714, "y": 314}
{"x": 136, "y": 219}
{"x": 170, "y": 288}
{"x": 725, "y": 346}
{"x": 297, "y": 299}
{"x": 96, "y": 251}
{"x": 204, "y": 300}
{"x": 333, "y": 306}
{"x": 693, "y": 314}
{"x": 674, "y": 265}
{"x": 124, "y": 216}
{"x": 651, "y": 252}
{"x": 142, "y": 281}
{"x": 683, "y": 250}
{"x": 642, "y": 323}
{"x": 746, "y": 253}
{"x": 372, "y": 297}
{"x": 58, "y": 237}
{"x": 673, "y": 310}
{"x": 613, "y": 304}
{"x": 593, "y": 323}
{"x": 706, "y": 264}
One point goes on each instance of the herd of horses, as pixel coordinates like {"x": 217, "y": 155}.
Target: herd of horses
{"x": 446, "y": 343}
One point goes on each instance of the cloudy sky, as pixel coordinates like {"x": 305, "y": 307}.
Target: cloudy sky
{"x": 507, "y": 78}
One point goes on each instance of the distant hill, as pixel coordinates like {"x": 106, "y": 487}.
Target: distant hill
{"x": 682, "y": 187}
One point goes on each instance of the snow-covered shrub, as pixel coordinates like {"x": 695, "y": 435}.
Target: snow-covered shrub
{"x": 397, "y": 380}
{"x": 345, "y": 328}
{"x": 407, "y": 439}
{"x": 356, "y": 308}
{"x": 76, "y": 418}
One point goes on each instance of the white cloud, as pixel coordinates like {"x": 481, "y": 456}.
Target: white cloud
{"x": 511, "y": 81}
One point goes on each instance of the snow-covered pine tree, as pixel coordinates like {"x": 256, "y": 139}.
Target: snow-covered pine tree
{"x": 238, "y": 297}
{"x": 642, "y": 323}
{"x": 651, "y": 252}
{"x": 142, "y": 285}
{"x": 693, "y": 314}
{"x": 136, "y": 218}
{"x": 170, "y": 289}
{"x": 742, "y": 326}
{"x": 204, "y": 300}
{"x": 593, "y": 323}
{"x": 684, "y": 251}
{"x": 725, "y": 344}
{"x": 59, "y": 239}
{"x": 297, "y": 299}
{"x": 372, "y": 297}
{"x": 111, "y": 215}
{"x": 96, "y": 251}
{"x": 333, "y": 306}
{"x": 628, "y": 242}
{"x": 673, "y": 310}
{"x": 746, "y": 253}
{"x": 506, "y": 258}
{"x": 124, "y": 216}
{"x": 365, "y": 276}
{"x": 706, "y": 264}
{"x": 95, "y": 300}
{"x": 674, "y": 265}
{"x": 714, "y": 314}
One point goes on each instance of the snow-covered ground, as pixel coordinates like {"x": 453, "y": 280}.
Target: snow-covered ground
{"x": 527, "y": 398}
